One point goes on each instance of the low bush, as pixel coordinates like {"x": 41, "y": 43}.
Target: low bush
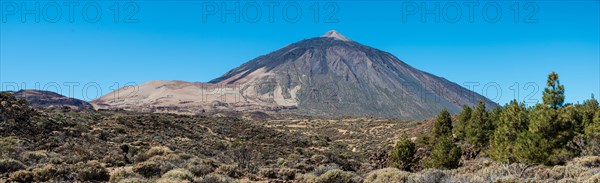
{"x": 320, "y": 170}
{"x": 153, "y": 151}
{"x": 148, "y": 169}
{"x": 178, "y": 174}
{"x": 431, "y": 175}
{"x": 9, "y": 146}
{"x": 229, "y": 170}
{"x": 33, "y": 157}
{"x": 215, "y": 178}
{"x": 47, "y": 172}
{"x": 21, "y": 176}
{"x": 307, "y": 178}
{"x": 586, "y": 161}
{"x": 115, "y": 159}
{"x": 594, "y": 178}
{"x": 387, "y": 175}
{"x": 200, "y": 167}
{"x": 10, "y": 165}
{"x": 268, "y": 173}
{"x": 134, "y": 180}
{"x": 123, "y": 173}
{"x": 339, "y": 176}
{"x": 286, "y": 173}
{"x": 93, "y": 170}
{"x": 319, "y": 159}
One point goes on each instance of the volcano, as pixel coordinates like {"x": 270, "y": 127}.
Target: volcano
{"x": 329, "y": 75}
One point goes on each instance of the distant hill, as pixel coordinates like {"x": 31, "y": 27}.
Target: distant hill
{"x": 48, "y": 99}
{"x": 329, "y": 75}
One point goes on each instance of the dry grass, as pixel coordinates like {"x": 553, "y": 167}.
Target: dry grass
{"x": 583, "y": 169}
{"x": 87, "y": 146}
{"x": 177, "y": 175}
{"x": 387, "y": 175}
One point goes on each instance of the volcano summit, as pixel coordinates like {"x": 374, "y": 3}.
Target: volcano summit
{"x": 329, "y": 75}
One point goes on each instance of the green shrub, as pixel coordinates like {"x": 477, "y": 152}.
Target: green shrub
{"x": 10, "y": 165}
{"x": 339, "y": 176}
{"x": 8, "y": 146}
{"x": 424, "y": 140}
{"x": 560, "y": 156}
{"x": 402, "y": 155}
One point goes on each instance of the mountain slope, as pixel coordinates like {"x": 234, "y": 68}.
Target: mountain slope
{"x": 332, "y": 76}
{"x": 48, "y": 99}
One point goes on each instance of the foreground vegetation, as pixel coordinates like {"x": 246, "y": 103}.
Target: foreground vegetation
{"x": 551, "y": 133}
{"x": 61, "y": 145}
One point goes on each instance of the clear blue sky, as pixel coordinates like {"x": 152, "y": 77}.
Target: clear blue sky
{"x": 183, "y": 40}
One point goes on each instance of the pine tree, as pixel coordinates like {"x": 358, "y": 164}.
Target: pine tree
{"x": 588, "y": 110}
{"x": 479, "y": 128}
{"x": 512, "y": 120}
{"x": 554, "y": 93}
{"x": 569, "y": 123}
{"x": 552, "y": 128}
{"x": 402, "y": 155}
{"x": 592, "y": 103}
{"x": 495, "y": 115}
{"x": 461, "y": 121}
{"x": 543, "y": 120}
{"x": 594, "y": 127}
{"x": 531, "y": 148}
{"x": 442, "y": 126}
{"x": 445, "y": 154}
